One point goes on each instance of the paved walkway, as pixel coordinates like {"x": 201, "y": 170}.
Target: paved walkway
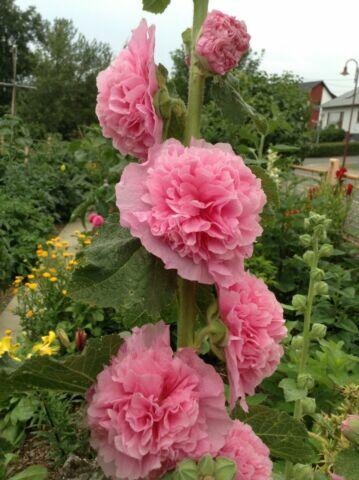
{"x": 7, "y": 318}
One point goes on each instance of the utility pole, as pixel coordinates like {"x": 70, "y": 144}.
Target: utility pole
{"x": 14, "y": 85}
{"x": 356, "y": 78}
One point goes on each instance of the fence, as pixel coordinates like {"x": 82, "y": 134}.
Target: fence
{"x": 351, "y": 227}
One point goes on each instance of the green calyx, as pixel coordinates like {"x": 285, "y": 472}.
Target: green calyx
{"x": 207, "y": 468}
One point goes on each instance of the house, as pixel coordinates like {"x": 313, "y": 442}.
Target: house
{"x": 318, "y": 93}
{"x": 337, "y": 112}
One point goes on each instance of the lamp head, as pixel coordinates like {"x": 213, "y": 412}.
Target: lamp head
{"x": 345, "y": 71}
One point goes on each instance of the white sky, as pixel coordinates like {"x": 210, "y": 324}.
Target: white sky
{"x": 312, "y": 38}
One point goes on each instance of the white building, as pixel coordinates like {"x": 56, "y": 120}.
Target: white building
{"x": 337, "y": 112}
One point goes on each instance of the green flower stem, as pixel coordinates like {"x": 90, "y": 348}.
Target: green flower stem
{"x": 187, "y": 289}
{"x": 307, "y": 321}
{"x": 306, "y": 339}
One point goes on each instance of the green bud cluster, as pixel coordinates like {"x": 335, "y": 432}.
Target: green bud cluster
{"x": 207, "y": 468}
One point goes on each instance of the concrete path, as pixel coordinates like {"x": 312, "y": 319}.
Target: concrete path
{"x": 7, "y": 318}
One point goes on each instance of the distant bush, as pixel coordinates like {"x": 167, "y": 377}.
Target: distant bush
{"x": 331, "y": 149}
{"x": 332, "y": 134}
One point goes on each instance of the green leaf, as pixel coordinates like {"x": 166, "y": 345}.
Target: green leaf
{"x": 347, "y": 464}
{"x": 268, "y": 184}
{"x": 155, "y": 6}
{"x": 119, "y": 273}
{"x": 74, "y": 374}
{"x": 291, "y": 390}
{"x": 286, "y": 438}
{"x": 35, "y": 472}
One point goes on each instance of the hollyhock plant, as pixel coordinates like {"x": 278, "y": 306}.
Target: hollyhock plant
{"x": 249, "y": 452}
{"x": 197, "y": 208}
{"x": 126, "y": 90}
{"x": 151, "y": 408}
{"x": 222, "y": 42}
{"x": 254, "y": 319}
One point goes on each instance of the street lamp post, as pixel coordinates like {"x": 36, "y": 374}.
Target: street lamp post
{"x": 356, "y": 78}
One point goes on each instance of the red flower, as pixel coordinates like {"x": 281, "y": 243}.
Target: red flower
{"x": 349, "y": 189}
{"x": 341, "y": 172}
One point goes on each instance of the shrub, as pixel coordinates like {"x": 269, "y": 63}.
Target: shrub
{"x": 331, "y": 149}
{"x": 332, "y": 134}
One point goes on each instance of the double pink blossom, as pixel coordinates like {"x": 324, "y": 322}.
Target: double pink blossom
{"x": 197, "y": 208}
{"x": 222, "y": 42}
{"x": 248, "y": 451}
{"x": 96, "y": 220}
{"x": 126, "y": 90}
{"x": 152, "y": 408}
{"x": 255, "y": 322}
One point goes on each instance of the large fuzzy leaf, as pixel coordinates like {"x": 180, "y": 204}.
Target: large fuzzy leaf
{"x": 155, "y": 6}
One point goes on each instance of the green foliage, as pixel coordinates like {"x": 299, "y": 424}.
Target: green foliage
{"x": 268, "y": 185}
{"x": 332, "y": 149}
{"x": 347, "y": 463}
{"x": 155, "y": 6}
{"x": 332, "y": 134}
{"x": 286, "y": 438}
{"x": 64, "y": 75}
{"x": 74, "y": 374}
{"x": 34, "y": 472}
{"x": 27, "y": 27}
{"x": 117, "y": 262}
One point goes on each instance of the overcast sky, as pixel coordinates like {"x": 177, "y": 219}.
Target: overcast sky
{"x": 312, "y": 38}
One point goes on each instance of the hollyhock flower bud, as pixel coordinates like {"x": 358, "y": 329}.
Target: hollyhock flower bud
{"x": 350, "y": 428}
{"x": 80, "y": 339}
{"x": 318, "y": 331}
{"x": 248, "y": 451}
{"x": 151, "y": 408}
{"x": 305, "y": 380}
{"x": 326, "y": 250}
{"x": 126, "y": 90}
{"x": 96, "y": 220}
{"x": 254, "y": 319}
{"x": 197, "y": 208}
{"x": 63, "y": 337}
{"x": 222, "y": 42}
{"x": 349, "y": 189}
{"x": 334, "y": 476}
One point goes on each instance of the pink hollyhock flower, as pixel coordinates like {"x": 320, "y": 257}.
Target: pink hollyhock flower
{"x": 249, "y": 452}
{"x": 334, "y": 476}
{"x": 96, "y": 220}
{"x": 125, "y": 96}
{"x": 196, "y": 208}
{"x": 150, "y": 408}
{"x": 222, "y": 42}
{"x": 255, "y": 322}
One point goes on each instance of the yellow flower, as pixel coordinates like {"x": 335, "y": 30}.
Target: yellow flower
{"x": 63, "y": 168}
{"x": 66, "y": 254}
{"x": 31, "y": 276}
{"x": 15, "y": 291}
{"x": 46, "y": 275}
{"x": 73, "y": 262}
{"x": 53, "y": 270}
{"x": 31, "y": 286}
{"x": 29, "y": 314}
{"x": 53, "y": 279}
{"x": 82, "y": 235}
{"x": 65, "y": 244}
{"x": 64, "y": 292}
{"x": 53, "y": 256}
{"x": 87, "y": 241}
{"x": 58, "y": 245}
{"x": 49, "y": 242}
{"x": 7, "y": 345}
{"x": 39, "y": 246}
{"x": 46, "y": 347}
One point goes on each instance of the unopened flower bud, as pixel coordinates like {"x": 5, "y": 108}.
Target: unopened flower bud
{"x": 302, "y": 472}
{"x": 350, "y": 428}
{"x": 305, "y": 380}
{"x": 308, "y": 405}
{"x": 321, "y": 288}
{"x": 305, "y": 240}
{"x": 326, "y": 250}
{"x": 206, "y": 465}
{"x": 80, "y": 339}
{"x": 187, "y": 469}
{"x": 318, "y": 273}
{"x": 318, "y": 331}
{"x": 299, "y": 302}
{"x": 62, "y": 336}
{"x": 308, "y": 257}
{"x": 297, "y": 342}
{"x": 225, "y": 469}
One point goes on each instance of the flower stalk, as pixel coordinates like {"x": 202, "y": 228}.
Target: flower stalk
{"x": 186, "y": 288}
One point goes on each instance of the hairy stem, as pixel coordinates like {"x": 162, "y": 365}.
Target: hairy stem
{"x": 306, "y": 340}
{"x": 187, "y": 289}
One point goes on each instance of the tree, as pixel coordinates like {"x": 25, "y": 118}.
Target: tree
{"x": 64, "y": 74}
{"x": 23, "y": 28}
{"x": 277, "y": 97}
